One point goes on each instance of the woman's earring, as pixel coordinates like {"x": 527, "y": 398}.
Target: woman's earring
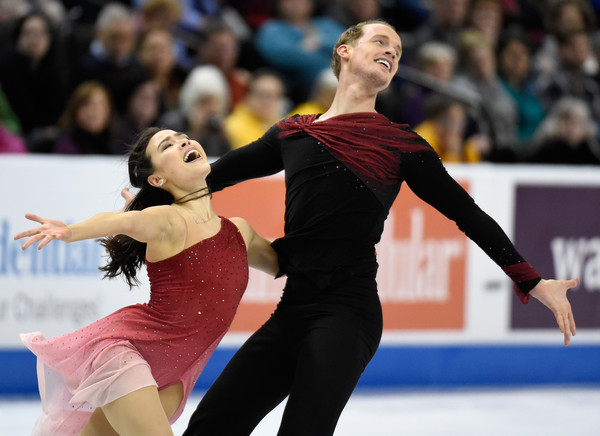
{"x": 162, "y": 181}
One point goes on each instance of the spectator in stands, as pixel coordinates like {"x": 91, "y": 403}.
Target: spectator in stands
{"x": 10, "y": 138}
{"x": 143, "y": 107}
{"x": 263, "y": 106}
{"x": 322, "y": 94}
{"x": 571, "y": 78}
{"x": 33, "y": 75}
{"x": 181, "y": 19}
{"x": 437, "y": 61}
{"x": 10, "y": 12}
{"x": 203, "y": 104}
{"x": 298, "y": 44}
{"x": 111, "y": 58}
{"x": 11, "y": 143}
{"x": 221, "y": 49}
{"x": 157, "y": 56}
{"x": 447, "y": 20}
{"x": 8, "y": 119}
{"x": 568, "y": 135}
{"x": 498, "y": 111}
{"x": 515, "y": 73}
{"x": 13, "y": 10}
{"x": 527, "y": 15}
{"x": 486, "y": 16}
{"x": 564, "y": 17}
{"x": 349, "y": 12}
{"x": 159, "y": 13}
{"x": 445, "y": 129}
{"x": 188, "y": 15}
{"x": 255, "y": 12}
{"x": 86, "y": 124}
{"x": 405, "y": 15}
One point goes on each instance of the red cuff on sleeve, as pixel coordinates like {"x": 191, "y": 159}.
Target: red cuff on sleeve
{"x": 522, "y": 296}
{"x": 521, "y": 272}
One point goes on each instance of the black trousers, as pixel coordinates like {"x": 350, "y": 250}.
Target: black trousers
{"x": 313, "y": 349}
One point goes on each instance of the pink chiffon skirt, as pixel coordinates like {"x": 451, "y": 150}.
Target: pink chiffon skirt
{"x": 70, "y": 395}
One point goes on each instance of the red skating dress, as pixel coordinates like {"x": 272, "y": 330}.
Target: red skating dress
{"x": 193, "y": 299}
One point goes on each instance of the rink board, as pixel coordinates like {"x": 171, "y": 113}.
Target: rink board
{"x": 421, "y": 367}
{"x": 451, "y": 317}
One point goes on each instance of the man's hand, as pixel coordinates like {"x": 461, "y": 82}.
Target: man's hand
{"x": 127, "y": 196}
{"x": 553, "y": 294}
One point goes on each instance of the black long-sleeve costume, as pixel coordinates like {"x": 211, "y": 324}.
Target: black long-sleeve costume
{"x": 328, "y": 324}
{"x": 332, "y": 218}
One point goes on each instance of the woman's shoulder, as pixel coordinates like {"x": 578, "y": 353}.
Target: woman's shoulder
{"x": 167, "y": 211}
{"x": 239, "y": 222}
{"x": 243, "y": 227}
{"x": 169, "y": 222}
{"x": 166, "y": 216}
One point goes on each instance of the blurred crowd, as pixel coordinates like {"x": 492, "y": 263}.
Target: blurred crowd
{"x": 515, "y": 81}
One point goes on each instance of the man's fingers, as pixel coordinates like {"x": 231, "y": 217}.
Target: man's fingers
{"x": 26, "y": 233}
{"x": 127, "y": 195}
{"x": 566, "y": 326}
{"x": 573, "y": 283}
{"x": 33, "y": 240}
{"x": 560, "y": 322}
{"x": 572, "y": 323}
{"x": 34, "y": 217}
{"x": 46, "y": 240}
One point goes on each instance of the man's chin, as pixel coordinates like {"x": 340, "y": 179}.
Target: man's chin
{"x": 384, "y": 85}
{"x": 380, "y": 83}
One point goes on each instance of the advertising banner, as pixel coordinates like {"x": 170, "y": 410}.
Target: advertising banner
{"x": 422, "y": 266}
{"x": 421, "y": 256}
{"x": 557, "y": 230}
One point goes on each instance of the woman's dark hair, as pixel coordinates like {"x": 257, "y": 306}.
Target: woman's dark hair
{"x": 20, "y": 23}
{"x": 126, "y": 255}
{"x": 55, "y": 56}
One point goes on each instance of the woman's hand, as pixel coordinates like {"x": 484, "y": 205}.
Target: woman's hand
{"x": 46, "y": 232}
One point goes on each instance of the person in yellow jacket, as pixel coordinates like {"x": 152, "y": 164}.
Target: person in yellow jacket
{"x": 262, "y": 107}
{"x": 444, "y": 129}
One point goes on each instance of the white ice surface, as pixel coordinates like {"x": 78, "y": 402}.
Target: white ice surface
{"x": 569, "y": 411}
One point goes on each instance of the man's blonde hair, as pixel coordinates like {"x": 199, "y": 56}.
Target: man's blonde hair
{"x": 350, "y": 36}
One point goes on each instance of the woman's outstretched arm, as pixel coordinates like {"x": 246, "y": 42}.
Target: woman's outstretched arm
{"x": 145, "y": 226}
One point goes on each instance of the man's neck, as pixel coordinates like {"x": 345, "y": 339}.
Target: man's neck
{"x": 350, "y": 98}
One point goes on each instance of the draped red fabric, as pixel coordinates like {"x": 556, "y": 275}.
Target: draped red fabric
{"x": 367, "y": 142}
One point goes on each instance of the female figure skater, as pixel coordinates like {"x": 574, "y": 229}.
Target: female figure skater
{"x": 131, "y": 372}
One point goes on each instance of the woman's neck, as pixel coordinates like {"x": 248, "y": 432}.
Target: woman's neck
{"x": 198, "y": 205}
{"x": 183, "y": 197}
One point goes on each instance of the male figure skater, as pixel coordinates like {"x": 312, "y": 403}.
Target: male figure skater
{"x": 343, "y": 170}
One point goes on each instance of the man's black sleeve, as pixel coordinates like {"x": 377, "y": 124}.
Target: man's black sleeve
{"x": 257, "y": 159}
{"x": 429, "y": 180}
